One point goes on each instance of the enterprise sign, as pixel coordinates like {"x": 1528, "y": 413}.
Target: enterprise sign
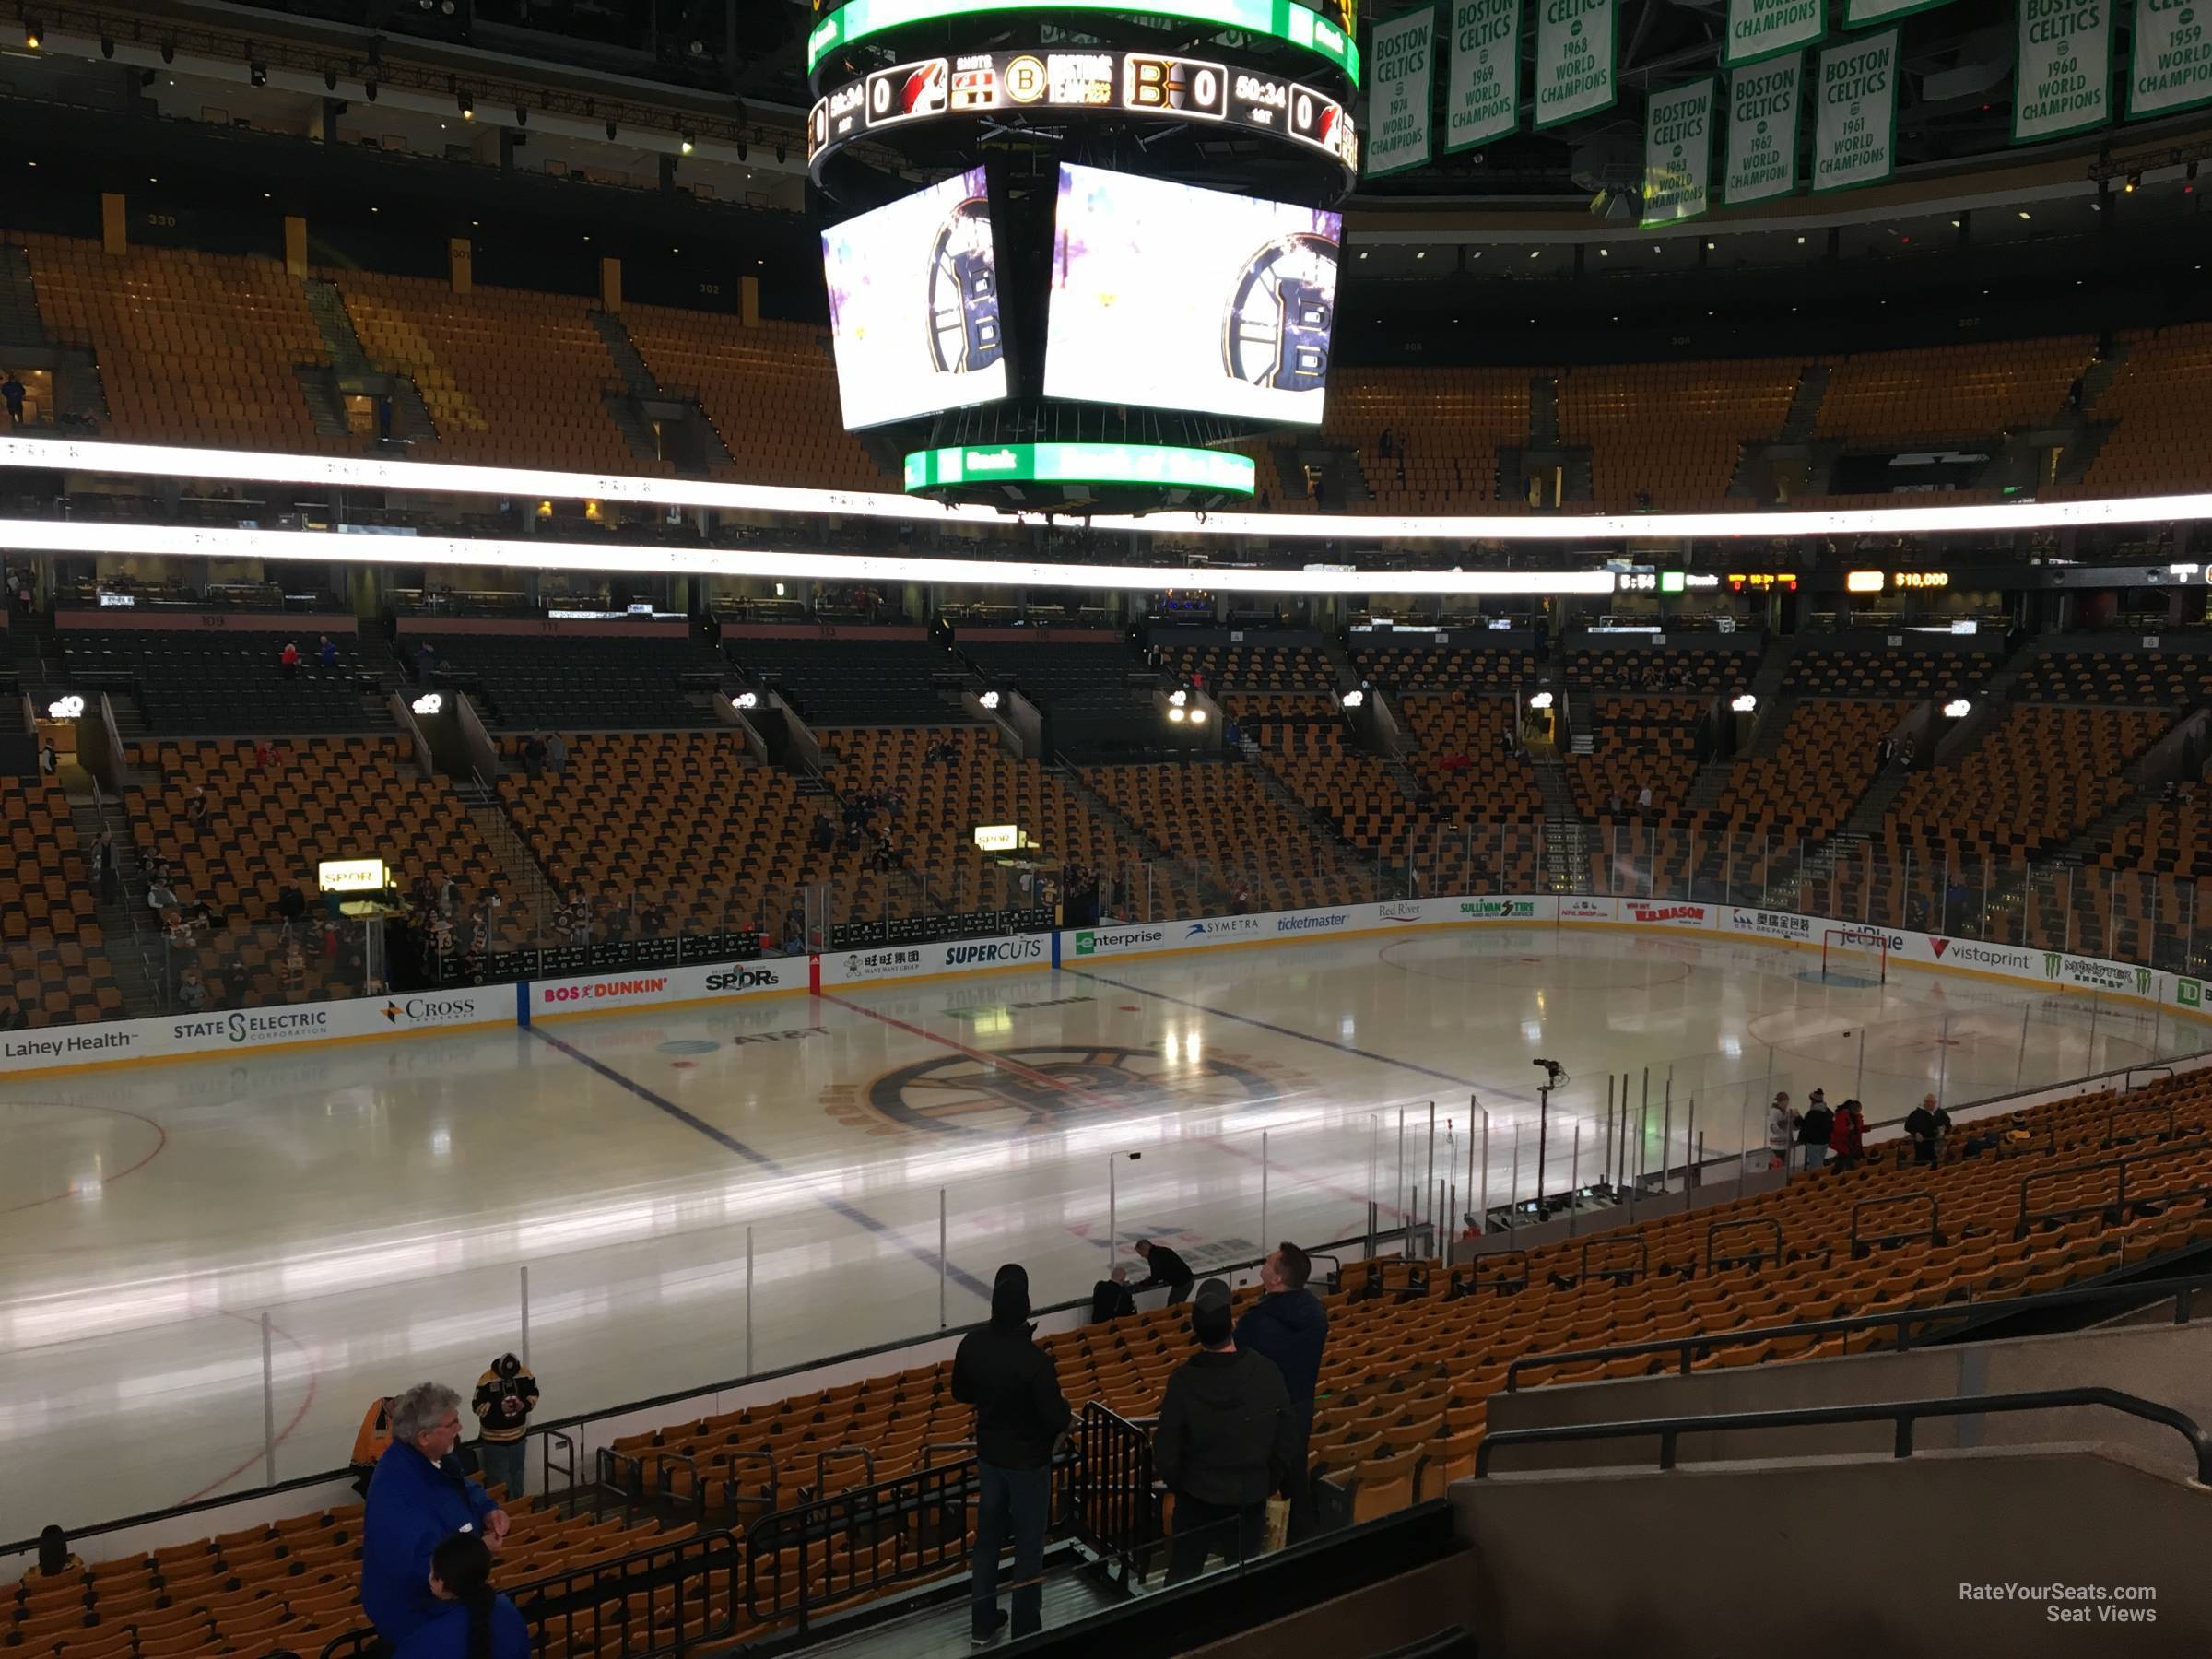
{"x": 1130, "y": 82}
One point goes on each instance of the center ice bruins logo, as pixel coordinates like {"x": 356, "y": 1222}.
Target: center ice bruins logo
{"x": 1049, "y": 1087}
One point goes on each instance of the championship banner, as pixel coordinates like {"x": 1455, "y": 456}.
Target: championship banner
{"x": 1865, "y": 14}
{"x": 1762, "y": 131}
{"x": 1577, "y": 45}
{"x": 1482, "y": 87}
{"x": 2172, "y": 65}
{"x": 2062, "y": 77}
{"x": 1404, "y": 59}
{"x": 1764, "y": 29}
{"x": 1678, "y": 154}
{"x": 1854, "y": 135}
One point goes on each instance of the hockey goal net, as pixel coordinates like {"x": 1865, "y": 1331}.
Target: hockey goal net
{"x": 1855, "y": 953}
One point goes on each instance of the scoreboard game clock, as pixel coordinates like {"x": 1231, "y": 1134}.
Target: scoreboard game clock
{"x": 1081, "y": 255}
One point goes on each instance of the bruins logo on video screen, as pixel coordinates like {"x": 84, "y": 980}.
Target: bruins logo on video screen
{"x": 1048, "y": 1086}
{"x": 1275, "y": 332}
{"x": 963, "y": 292}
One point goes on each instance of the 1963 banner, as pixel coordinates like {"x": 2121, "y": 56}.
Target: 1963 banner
{"x": 1405, "y": 67}
{"x": 1762, "y": 131}
{"x": 1854, "y": 133}
{"x": 1577, "y": 42}
{"x": 1482, "y": 86}
{"x": 2063, "y": 81}
{"x": 1678, "y": 154}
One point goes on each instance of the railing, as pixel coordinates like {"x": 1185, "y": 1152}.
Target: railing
{"x": 2119, "y": 1200}
{"x": 666, "y": 1598}
{"x": 1903, "y": 1413}
{"x": 1113, "y": 1508}
{"x": 1903, "y": 1322}
{"x": 1931, "y": 1233}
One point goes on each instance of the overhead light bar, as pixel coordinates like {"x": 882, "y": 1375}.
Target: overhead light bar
{"x": 167, "y": 461}
{"x": 536, "y": 553}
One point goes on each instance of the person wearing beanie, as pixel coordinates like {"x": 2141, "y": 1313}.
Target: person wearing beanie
{"x": 1020, "y": 1415}
{"x": 1226, "y": 1438}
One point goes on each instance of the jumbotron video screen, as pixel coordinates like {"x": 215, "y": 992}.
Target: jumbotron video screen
{"x": 1171, "y": 297}
{"x": 914, "y": 305}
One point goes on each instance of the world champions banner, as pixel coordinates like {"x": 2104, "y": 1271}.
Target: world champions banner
{"x": 1482, "y": 87}
{"x": 1577, "y": 46}
{"x": 1403, "y": 58}
{"x": 1762, "y": 131}
{"x": 1854, "y": 135}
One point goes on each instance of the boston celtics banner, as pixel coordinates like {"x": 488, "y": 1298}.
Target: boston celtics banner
{"x": 2172, "y": 68}
{"x": 1678, "y": 154}
{"x": 1482, "y": 84}
{"x": 1855, "y": 132}
{"x": 1765, "y": 29}
{"x": 1864, "y": 13}
{"x": 1402, "y": 66}
{"x": 1762, "y": 131}
{"x": 2062, "y": 82}
{"x": 1576, "y": 41}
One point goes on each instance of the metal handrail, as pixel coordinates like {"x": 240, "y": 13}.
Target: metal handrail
{"x": 2182, "y": 1289}
{"x": 1767, "y": 1223}
{"x": 1903, "y": 1413}
{"x": 1933, "y": 1235}
{"x": 2119, "y": 1197}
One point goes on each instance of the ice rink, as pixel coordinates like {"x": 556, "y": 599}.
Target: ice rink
{"x": 380, "y": 1203}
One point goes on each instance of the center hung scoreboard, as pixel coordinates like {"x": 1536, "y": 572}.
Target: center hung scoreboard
{"x": 1127, "y": 260}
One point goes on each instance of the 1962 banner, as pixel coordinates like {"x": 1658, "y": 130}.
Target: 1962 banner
{"x": 1482, "y": 86}
{"x": 1577, "y": 47}
{"x": 1854, "y": 133}
{"x": 2063, "y": 81}
{"x": 1762, "y": 131}
{"x": 2171, "y": 67}
{"x": 1678, "y": 154}
{"x": 1765, "y": 29}
{"x": 1405, "y": 67}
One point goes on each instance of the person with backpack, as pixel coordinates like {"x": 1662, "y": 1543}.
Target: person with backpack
{"x": 1813, "y": 1130}
{"x": 1847, "y": 1136}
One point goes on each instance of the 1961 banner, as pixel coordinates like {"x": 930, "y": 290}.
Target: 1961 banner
{"x": 1854, "y": 133}
{"x": 1482, "y": 87}
{"x": 1762, "y": 131}
{"x": 1405, "y": 67}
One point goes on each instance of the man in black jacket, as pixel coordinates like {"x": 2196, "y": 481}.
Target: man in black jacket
{"x": 1812, "y": 1127}
{"x": 1019, "y": 1414}
{"x": 1290, "y": 1326}
{"x": 1110, "y": 1297}
{"x": 1163, "y": 1266}
{"x": 1927, "y": 1125}
{"x": 1227, "y": 1437}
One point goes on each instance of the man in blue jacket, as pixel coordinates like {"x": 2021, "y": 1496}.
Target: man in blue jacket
{"x": 419, "y": 1497}
{"x": 1289, "y": 1325}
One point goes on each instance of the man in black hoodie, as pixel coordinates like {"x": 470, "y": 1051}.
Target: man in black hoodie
{"x": 1019, "y": 1413}
{"x": 1163, "y": 1266}
{"x": 1226, "y": 1438}
{"x": 1290, "y": 1328}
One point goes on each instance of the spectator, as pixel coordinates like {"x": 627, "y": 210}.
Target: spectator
{"x": 1111, "y": 1296}
{"x": 1813, "y": 1130}
{"x": 1019, "y": 1414}
{"x": 50, "y": 758}
{"x": 417, "y": 1498}
{"x": 198, "y": 807}
{"x": 267, "y": 753}
{"x": 107, "y": 869}
{"x": 11, "y": 1015}
{"x": 326, "y": 653}
{"x": 238, "y": 980}
{"x": 192, "y": 991}
{"x": 291, "y": 975}
{"x": 533, "y": 757}
{"x": 55, "y": 1558}
{"x": 12, "y": 394}
{"x": 556, "y": 753}
{"x": 472, "y": 1622}
{"x": 291, "y": 904}
{"x": 1163, "y": 1266}
{"x": 1847, "y": 1134}
{"x": 1644, "y": 801}
{"x": 1227, "y": 1437}
{"x": 289, "y": 659}
{"x": 506, "y": 1395}
{"x": 824, "y": 836}
{"x": 1289, "y": 1326}
{"x": 159, "y": 895}
{"x": 1782, "y": 1130}
{"x": 1927, "y": 1125}
{"x": 425, "y": 662}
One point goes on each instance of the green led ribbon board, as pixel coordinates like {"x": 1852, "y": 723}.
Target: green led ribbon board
{"x": 1162, "y": 465}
